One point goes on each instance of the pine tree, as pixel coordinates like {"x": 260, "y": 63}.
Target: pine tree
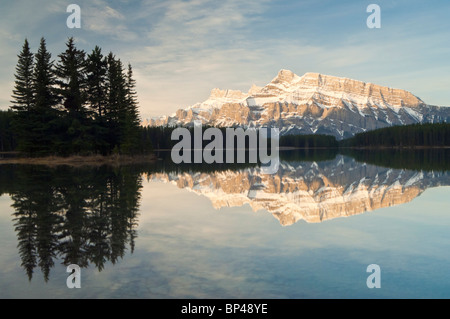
{"x": 71, "y": 78}
{"x": 116, "y": 98}
{"x": 96, "y": 68}
{"x": 23, "y": 89}
{"x": 130, "y": 141}
{"x": 44, "y": 79}
{"x": 42, "y": 116}
{"x": 23, "y": 99}
{"x": 71, "y": 81}
{"x": 132, "y": 95}
{"x": 96, "y": 71}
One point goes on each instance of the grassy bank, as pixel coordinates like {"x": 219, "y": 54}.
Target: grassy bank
{"x": 94, "y": 160}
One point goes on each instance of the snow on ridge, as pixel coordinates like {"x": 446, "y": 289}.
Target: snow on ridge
{"x": 310, "y": 90}
{"x": 287, "y": 87}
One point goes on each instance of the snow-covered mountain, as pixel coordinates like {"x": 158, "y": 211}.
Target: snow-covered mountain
{"x": 308, "y": 104}
{"x": 309, "y": 191}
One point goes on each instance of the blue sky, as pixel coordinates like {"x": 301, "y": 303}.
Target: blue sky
{"x": 180, "y": 50}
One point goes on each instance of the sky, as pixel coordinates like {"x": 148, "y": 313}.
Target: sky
{"x": 181, "y": 50}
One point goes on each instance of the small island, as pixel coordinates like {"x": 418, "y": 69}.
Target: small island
{"x": 80, "y": 109}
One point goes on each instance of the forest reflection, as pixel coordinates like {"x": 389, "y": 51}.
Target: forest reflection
{"x": 76, "y": 215}
{"x": 89, "y": 215}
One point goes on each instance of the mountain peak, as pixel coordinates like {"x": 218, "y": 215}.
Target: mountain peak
{"x": 230, "y": 94}
{"x": 254, "y": 89}
{"x": 313, "y": 103}
{"x": 284, "y": 76}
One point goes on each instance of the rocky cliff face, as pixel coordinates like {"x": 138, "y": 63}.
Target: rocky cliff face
{"x": 309, "y": 191}
{"x": 312, "y": 103}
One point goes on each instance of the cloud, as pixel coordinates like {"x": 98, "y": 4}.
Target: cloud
{"x": 104, "y": 20}
{"x": 191, "y": 46}
{"x": 180, "y": 50}
{"x": 199, "y": 46}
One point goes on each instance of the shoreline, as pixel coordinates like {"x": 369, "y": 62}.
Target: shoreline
{"x": 290, "y": 148}
{"x": 116, "y": 160}
{"x": 401, "y": 148}
{"x": 78, "y": 160}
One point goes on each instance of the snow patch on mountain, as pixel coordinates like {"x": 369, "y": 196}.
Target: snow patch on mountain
{"x": 308, "y": 104}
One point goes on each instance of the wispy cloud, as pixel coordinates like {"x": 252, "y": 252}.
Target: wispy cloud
{"x": 101, "y": 19}
{"x": 194, "y": 45}
{"x": 180, "y": 50}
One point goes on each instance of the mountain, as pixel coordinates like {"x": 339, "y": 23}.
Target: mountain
{"x": 309, "y": 191}
{"x": 309, "y": 104}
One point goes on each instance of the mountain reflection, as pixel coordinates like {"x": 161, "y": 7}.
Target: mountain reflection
{"x": 309, "y": 190}
{"x": 79, "y": 216}
{"x": 88, "y": 216}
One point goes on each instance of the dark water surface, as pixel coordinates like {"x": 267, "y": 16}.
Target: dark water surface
{"x": 167, "y": 231}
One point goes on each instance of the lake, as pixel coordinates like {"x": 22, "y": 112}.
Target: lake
{"x": 184, "y": 231}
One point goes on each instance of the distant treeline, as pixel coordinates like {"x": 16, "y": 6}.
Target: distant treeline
{"x": 80, "y": 104}
{"x": 160, "y": 137}
{"x": 414, "y": 135}
{"x": 309, "y": 141}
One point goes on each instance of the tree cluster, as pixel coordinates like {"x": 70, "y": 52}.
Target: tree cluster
{"x": 81, "y": 104}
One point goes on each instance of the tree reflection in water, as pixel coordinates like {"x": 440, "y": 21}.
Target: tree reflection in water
{"x": 78, "y": 215}
{"x": 88, "y": 215}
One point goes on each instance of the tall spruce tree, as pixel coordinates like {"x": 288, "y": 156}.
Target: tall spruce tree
{"x": 116, "y": 98}
{"x": 23, "y": 97}
{"x": 44, "y": 80}
{"x": 132, "y": 102}
{"x": 96, "y": 74}
{"x": 131, "y": 134}
{"x": 23, "y": 89}
{"x": 71, "y": 81}
{"x": 43, "y": 115}
{"x": 96, "y": 68}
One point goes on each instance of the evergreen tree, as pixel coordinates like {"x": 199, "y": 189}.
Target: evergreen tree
{"x": 130, "y": 141}
{"x": 23, "y": 99}
{"x": 40, "y": 134}
{"x": 132, "y": 97}
{"x": 117, "y": 100}
{"x": 74, "y": 135}
{"x": 96, "y": 71}
{"x": 96, "y": 68}
{"x": 44, "y": 80}
{"x": 23, "y": 89}
{"x": 71, "y": 78}
{"x": 122, "y": 102}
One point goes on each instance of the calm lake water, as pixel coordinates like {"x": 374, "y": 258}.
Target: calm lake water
{"x": 166, "y": 231}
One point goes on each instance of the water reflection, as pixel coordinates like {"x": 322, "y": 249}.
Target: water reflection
{"x": 310, "y": 191}
{"x": 79, "y": 216}
{"x": 89, "y": 216}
